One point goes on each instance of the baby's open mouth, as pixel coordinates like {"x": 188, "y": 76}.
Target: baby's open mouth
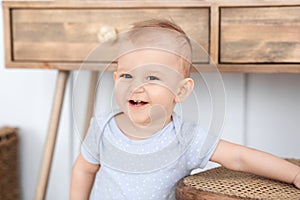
{"x": 137, "y": 102}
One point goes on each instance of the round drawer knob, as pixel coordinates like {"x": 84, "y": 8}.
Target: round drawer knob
{"x": 106, "y": 33}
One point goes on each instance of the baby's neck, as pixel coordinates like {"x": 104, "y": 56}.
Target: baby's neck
{"x": 139, "y": 132}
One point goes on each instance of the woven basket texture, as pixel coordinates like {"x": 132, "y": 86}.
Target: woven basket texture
{"x": 9, "y": 185}
{"x": 242, "y": 185}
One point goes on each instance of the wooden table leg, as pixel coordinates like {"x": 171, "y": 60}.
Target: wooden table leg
{"x": 91, "y": 100}
{"x": 49, "y": 145}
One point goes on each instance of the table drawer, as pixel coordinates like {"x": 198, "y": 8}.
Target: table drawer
{"x": 260, "y": 34}
{"x": 68, "y": 35}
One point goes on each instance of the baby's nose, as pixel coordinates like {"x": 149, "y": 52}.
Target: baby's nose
{"x": 137, "y": 87}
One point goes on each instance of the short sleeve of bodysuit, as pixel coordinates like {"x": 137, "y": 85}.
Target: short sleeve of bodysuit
{"x": 89, "y": 146}
{"x": 203, "y": 148}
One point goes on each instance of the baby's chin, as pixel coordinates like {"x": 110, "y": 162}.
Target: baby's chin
{"x": 140, "y": 119}
{"x": 141, "y": 125}
{"x": 148, "y": 121}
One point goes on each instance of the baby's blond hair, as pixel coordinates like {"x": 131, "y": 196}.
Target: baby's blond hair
{"x": 165, "y": 35}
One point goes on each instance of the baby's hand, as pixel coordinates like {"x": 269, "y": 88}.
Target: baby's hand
{"x": 297, "y": 180}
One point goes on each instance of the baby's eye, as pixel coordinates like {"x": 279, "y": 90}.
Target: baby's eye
{"x": 126, "y": 76}
{"x": 152, "y": 78}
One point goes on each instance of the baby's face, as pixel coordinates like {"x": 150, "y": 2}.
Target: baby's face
{"x": 146, "y": 85}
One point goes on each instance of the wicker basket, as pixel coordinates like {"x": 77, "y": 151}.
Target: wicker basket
{"x": 224, "y": 184}
{"x": 9, "y": 185}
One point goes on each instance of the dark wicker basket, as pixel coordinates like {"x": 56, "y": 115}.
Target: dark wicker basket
{"x": 9, "y": 177}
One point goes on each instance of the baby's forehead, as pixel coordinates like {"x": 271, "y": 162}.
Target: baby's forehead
{"x": 152, "y": 60}
{"x": 148, "y": 57}
{"x": 156, "y": 37}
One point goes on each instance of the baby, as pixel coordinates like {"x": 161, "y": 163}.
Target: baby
{"x": 142, "y": 150}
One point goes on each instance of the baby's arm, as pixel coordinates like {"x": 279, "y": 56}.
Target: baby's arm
{"x": 240, "y": 158}
{"x": 83, "y": 175}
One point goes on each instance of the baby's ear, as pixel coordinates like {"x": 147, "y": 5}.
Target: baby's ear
{"x": 186, "y": 86}
{"x": 115, "y": 75}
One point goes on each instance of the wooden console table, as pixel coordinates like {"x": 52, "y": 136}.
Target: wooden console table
{"x": 248, "y": 36}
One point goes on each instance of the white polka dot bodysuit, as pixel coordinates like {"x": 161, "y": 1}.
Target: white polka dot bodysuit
{"x": 144, "y": 169}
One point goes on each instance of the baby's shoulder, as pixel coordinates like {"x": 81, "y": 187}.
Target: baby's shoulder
{"x": 185, "y": 125}
{"x": 188, "y": 129}
{"x": 101, "y": 120}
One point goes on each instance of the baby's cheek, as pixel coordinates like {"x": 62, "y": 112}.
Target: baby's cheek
{"x": 157, "y": 111}
{"x": 172, "y": 89}
{"x": 120, "y": 96}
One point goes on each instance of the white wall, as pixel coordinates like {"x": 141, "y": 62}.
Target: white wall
{"x": 273, "y": 113}
{"x": 262, "y": 111}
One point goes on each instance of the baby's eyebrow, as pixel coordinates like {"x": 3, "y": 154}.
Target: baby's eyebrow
{"x": 153, "y": 72}
{"x": 121, "y": 70}
{"x": 160, "y": 72}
